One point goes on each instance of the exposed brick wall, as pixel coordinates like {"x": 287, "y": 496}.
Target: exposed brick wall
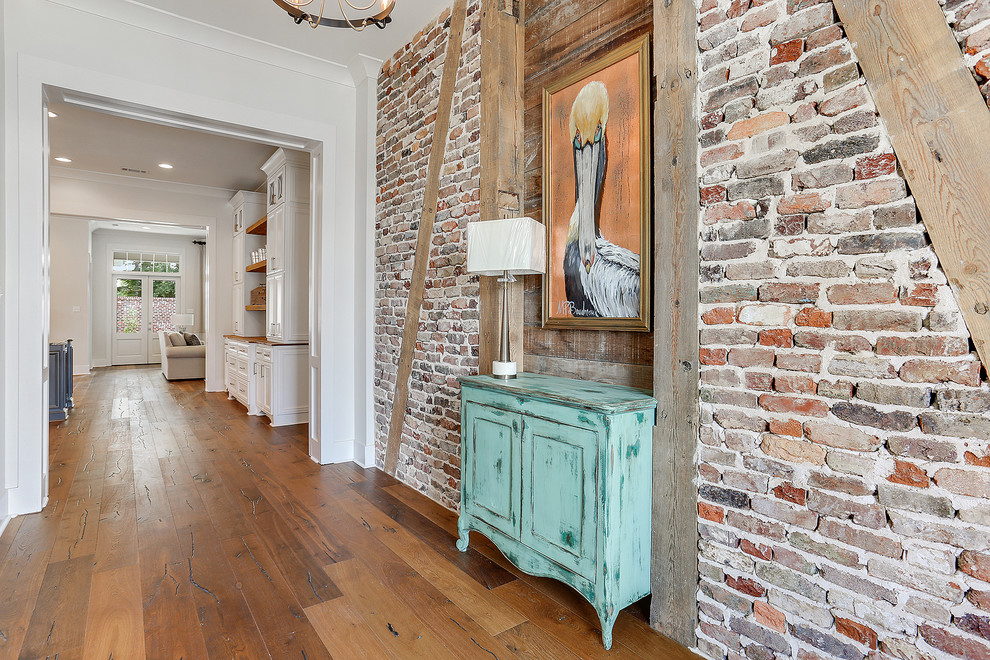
{"x": 843, "y": 470}
{"x": 970, "y": 22}
{"x": 447, "y": 345}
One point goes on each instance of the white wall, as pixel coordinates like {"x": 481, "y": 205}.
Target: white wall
{"x": 105, "y": 241}
{"x": 97, "y": 196}
{"x": 70, "y": 282}
{"x": 112, "y": 49}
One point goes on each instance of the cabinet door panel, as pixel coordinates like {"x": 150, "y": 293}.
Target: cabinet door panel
{"x": 559, "y": 503}
{"x": 492, "y": 470}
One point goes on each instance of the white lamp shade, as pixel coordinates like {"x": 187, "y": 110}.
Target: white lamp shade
{"x": 182, "y": 319}
{"x": 514, "y": 245}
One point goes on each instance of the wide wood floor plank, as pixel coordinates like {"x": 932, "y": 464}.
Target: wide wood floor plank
{"x": 178, "y": 527}
{"x": 114, "y": 628}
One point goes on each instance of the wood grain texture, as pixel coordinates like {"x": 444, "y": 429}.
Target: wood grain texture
{"x": 414, "y": 303}
{"x": 938, "y": 123}
{"x": 501, "y": 163}
{"x": 561, "y": 37}
{"x": 675, "y": 529}
{"x": 229, "y": 515}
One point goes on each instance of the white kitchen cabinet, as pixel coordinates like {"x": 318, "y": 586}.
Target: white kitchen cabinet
{"x": 269, "y": 379}
{"x": 288, "y": 246}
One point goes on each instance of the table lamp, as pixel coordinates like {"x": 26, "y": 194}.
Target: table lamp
{"x": 503, "y": 248}
{"x": 182, "y": 321}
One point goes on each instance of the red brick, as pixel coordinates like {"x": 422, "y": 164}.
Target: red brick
{"x": 793, "y": 405}
{"x": 793, "y": 450}
{"x": 964, "y": 482}
{"x": 857, "y": 631}
{"x": 719, "y": 316}
{"x": 786, "y": 52}
{"x": 973, "y": 459}
{"x": 802, "y": 203}
{"x": 929, "y": 346}
{"x": 759, "y": 18}
{"x": 975, "y": 624}
{"x": 713, "y": 356}
{"x": 712, "y": 195}
{"x": 781, "y": 338}
{"x": 921, "y": 295}
{"x": 934, "y": 371}
{"x": 720, "y": 154}
{"x": 726, "y": 212}
{"x": 793, "y": 383}
{"x": 843, "y": 101}
{"x": 755, "y": 125}
{"x": 813, "y": 317}
{"x": 711, "y": 512}
{"x": 711, "y": 120}
{"x": 787, "y": 292}
{"x": 769, "y": 616}
{"x": 786, "y": 427}
{"x": 979, "y": 598}
{"x": 810, "y": 362}
{"x": 757, "y": 380}
{"x": 870, "y": 193}
{"x": 744, "y": 585}
{"x": 791, "y": 493}
{"x": 868, "y": 167}
{"x": 862, "y": 294}
{"x": 860, "y": 538}
{"x": 737, "y": 8}
{"x": 751, "y": 357}
{"x": 975, "y": 564}
{"x": 954, "y": 645}
{"x": 756, "y": 550}
{"x": 824, "y": 37}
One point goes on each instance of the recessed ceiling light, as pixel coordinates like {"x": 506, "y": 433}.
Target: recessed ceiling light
{"x": 52, "y": 114}
{"x": 164, "y": 166}
{"x": 63, "y": 159}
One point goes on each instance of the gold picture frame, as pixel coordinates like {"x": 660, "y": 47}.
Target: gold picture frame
{"x": 597, "y": 193}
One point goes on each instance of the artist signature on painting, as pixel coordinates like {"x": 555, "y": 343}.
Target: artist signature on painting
{"x": 567, "y": 306}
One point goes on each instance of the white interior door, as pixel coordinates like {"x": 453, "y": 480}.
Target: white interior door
{"x": 143, "y": 305}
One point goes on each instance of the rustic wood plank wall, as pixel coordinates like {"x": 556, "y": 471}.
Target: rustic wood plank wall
{"x": 560, "y": 37}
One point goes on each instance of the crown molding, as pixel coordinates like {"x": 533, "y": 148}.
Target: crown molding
{"x": 72, "y": 174}
{"x": 364, "y": 67}
{"x": 217, "y": 38}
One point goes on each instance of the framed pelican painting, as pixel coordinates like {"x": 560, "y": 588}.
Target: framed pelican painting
{"x": 597, "y": 194}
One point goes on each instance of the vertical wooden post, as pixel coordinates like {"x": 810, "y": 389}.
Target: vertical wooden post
{"x": 417, "y": 284}
{"x": 501, "y": 159}
{"x": 675, "y": 366}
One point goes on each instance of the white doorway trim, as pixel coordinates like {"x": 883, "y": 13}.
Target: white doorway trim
{"x": 25, "y": 426}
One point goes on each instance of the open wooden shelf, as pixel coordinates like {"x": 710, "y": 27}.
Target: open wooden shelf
{"x": 256, "y": 308}
{"x": 260, "y": 227}
{"x": 260, "y": 267}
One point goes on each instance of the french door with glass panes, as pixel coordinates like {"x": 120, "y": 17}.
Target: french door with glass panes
{"x": 143, "y": 305}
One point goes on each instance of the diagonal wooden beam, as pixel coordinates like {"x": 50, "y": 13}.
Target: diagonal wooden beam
{"x": 417, "y": 285}
{"x": 938, "y": 123}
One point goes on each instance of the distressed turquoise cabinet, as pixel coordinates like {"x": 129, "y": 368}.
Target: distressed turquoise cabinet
{"x": 558, "y": 474}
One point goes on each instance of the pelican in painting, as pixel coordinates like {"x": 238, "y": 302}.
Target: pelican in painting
{"x": 600, "y": 278}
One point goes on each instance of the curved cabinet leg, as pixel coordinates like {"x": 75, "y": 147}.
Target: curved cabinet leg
{"x": 607, "y": 621}
{"x": 463, "y": 533}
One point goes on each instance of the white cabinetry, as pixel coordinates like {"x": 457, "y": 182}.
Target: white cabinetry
{"x": 248, "y": 208}
{"x": 270, "y": 380}
{"x": 288, "y": 246}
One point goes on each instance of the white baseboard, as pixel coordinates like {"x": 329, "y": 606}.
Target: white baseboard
{"x": 100, "y": 364}
{"x": 4, "y": 522}
{"x": 81, "y": 371}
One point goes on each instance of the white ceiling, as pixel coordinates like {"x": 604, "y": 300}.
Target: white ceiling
{"x": 99, "y": 142}
{"x": 263, "y": 20}
{"x": 159, "y": 229}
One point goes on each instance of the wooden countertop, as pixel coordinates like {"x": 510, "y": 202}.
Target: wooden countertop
{"x": 264, "y": 340}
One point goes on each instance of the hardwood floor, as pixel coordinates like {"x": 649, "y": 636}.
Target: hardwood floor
{"x": 179, "y": 527}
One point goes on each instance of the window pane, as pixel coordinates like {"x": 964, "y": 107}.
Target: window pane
{"x": 128, "y": 306}
{"x": 163, "y": 305}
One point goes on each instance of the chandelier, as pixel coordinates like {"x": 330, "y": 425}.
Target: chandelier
{"x": 297, "y": 10}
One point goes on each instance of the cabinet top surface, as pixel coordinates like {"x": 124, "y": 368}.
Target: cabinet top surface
{"x": 567, "y": 391}
{"x": 264, "y": 340}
